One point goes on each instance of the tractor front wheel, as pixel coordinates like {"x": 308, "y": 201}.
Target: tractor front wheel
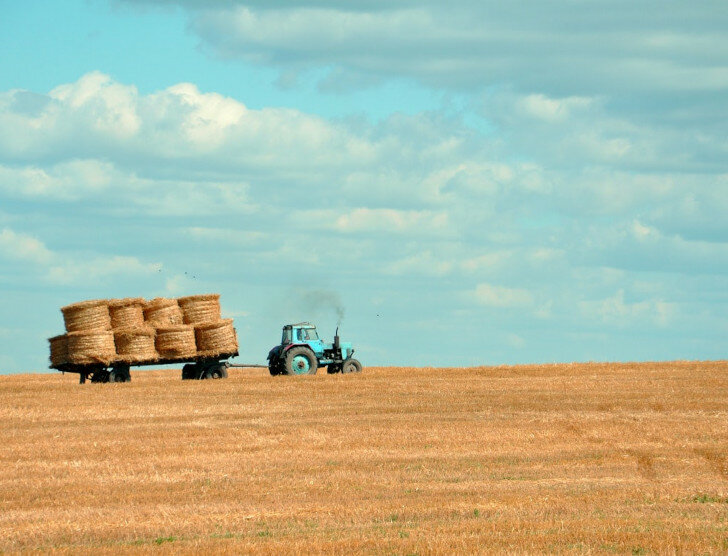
{"x": 300, "y": 361}
{"x": 351, "y": 366}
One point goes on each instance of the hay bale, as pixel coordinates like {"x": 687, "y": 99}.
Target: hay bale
{"x": 59, "y": 350}
{"x": 175, "y": 342}
{"x": 200, "y": 309}
{"x": 216, "y": 338}
{"x": 126, "y": 313}
{"x": 162, "y": 312}
{"x": 91, "y": 346}
{"x": 87, "y": 315}
{"x": 135, "y": 345}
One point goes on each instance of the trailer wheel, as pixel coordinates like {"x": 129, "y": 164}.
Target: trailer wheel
{"x": 101, "y": 375}
{"x": 120, "y": 374}
{"x": 217, "y": 370}
{"x": 189, "y": 372}
{"x": 351, "y": 366}
{"x": 300, "y": 361}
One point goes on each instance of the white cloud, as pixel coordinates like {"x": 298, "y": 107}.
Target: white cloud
{"x": 108, "y": 106}
{"x": 225, "y": 235}
{"x": 69, "y": 268}
{"x": 552, "y": 109}
{"x": 545, "y": 48}
{"x": 67, "y": 180}
{"x": 24, "y": 247}
{"x": 81, "y": 271}
{"x": 385, "y": 220}
{"x": 616, "y": 311}
{"x": 499, "y": 296}
{"x": 423, "y": 264}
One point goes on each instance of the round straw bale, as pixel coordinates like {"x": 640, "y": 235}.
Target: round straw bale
{"x": 126, "y": 313}
{"x": 199, "y": 309}
{"x": 161, "y": 312}
{"x": 59, "y": 350}
{"x": 134, "y": 345}
{"x": 175, "y": 342}
{"x": 216, "y": 338}
{"x": 91, "y": 346}
{"x": 87, "y": 315}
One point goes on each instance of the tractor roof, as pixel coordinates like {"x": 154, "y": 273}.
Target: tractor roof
{"x": 303, "y": 324}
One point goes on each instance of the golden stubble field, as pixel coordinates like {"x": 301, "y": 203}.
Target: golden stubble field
{"x": 560, "y": 458}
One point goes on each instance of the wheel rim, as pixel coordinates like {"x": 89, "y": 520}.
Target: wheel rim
{"x": 301, "y": 365}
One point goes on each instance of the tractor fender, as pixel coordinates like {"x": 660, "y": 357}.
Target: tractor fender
{"x": 290, "y": 346}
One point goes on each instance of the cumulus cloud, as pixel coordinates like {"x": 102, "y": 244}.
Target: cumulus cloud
{"x": 68, "y": 268}
{"x": 24, "y": 247}
{"x": 616, "y": 311}
{"x": 469, "y": 43}
{"x": 492, "y": 295}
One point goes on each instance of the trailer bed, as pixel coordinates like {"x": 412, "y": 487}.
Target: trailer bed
{"x": 119, "y": 370}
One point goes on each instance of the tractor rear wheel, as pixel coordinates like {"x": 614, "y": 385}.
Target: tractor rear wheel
{"x": 351, "y": 366}
{"x": 300, "y": 361}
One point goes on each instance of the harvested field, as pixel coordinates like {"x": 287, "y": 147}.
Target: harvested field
{"x": 606, "y": 458}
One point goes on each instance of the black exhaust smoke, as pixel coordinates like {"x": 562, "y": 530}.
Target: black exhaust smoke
{"x": 317, "y": 301}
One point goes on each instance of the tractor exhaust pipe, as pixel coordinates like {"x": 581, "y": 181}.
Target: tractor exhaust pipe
{"x": 336, "y": 339}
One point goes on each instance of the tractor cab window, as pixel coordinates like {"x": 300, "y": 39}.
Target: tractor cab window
{"x": 286, "y": 336}
{"x": 305, "y": 334}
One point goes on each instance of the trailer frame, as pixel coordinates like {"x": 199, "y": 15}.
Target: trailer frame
{"x": 194, "y": 368}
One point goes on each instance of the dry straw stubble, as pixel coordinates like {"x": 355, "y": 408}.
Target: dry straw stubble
{"x": 216, "y": 338}
{"x": 200, "y": 309}
{"x": 528, "y": 460}
{"x": 87, "y": 315}
{"x": 176, "y": 341}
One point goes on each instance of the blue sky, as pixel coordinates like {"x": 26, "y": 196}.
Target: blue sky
{"x": 476, "y": 183}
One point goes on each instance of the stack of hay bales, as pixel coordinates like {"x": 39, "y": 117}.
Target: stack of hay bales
{"x": 213, "y": 335}
{"x": 133, "y": 330}
{"x": 174, "y": 339}
{"x": 89, "y": 338}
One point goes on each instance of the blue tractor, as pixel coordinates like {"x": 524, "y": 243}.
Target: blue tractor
{"x": 302, "y": 352}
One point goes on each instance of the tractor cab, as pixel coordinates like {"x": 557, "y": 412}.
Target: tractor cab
{"x": 299, "y": 333}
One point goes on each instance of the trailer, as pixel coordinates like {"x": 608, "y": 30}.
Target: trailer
{"x": 195, "y": 368}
